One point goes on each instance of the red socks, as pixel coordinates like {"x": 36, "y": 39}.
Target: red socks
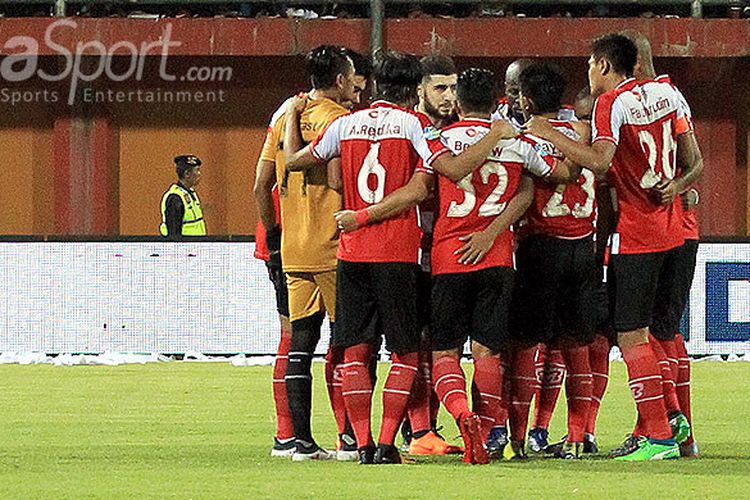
{"x": 488, "y": 379}
{"x": 578, "y": 388}
{"x": 334, "y": 359}
{"x": 645, "y": 383}
{"x": 683, "y": 379}
{"x": 551, "y": 376}
{"x": 357, "y": 391}
{"x": 523, "y": 386}
{"x": 396, "y": 394}
{"x": 419, "y": 407}
{"x": 450, "y": 385}
{"x": 284, "y": 427}
{"x": 599, "y": 361}
{"x": 667, "y": 379}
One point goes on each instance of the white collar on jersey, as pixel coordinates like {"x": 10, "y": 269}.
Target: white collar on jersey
{"x": 625, "y": 82}
{"x": 483, "y": 120}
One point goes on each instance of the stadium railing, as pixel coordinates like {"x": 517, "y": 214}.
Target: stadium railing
{"x": 61, "y": 7}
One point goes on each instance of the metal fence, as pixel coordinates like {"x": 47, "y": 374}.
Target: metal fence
{"x": 66, "y": 7}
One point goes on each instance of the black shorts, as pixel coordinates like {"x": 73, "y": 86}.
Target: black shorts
{"x": 278, "y": 278}
{"x": 471, "y": 305}
{"x": 555, "y": 296}
{"x": 424, "y": 291}
{"x": 673, "y": 290}
{"x": 377, "y": 298}
{"x": 633, "y": 281}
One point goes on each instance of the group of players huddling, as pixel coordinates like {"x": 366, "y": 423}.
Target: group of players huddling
{"x": 437, "y": 215}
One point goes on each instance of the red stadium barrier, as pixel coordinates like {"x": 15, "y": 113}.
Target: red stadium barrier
{"x": 126, "y": 147}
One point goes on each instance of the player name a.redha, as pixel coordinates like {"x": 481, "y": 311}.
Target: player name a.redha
{"x": 368, "y": 131}
{"x": 660, "y": 105}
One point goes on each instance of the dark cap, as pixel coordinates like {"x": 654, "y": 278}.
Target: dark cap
{"x": 185, "y": 163}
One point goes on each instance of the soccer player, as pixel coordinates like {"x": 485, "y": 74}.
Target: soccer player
{"x": 556, "y": 267}
{"x": 472, "y": 261}
{"x": 362, "y": 73}
{"x": 268, "y": 249}
{"x": 385, "y": 150}
{"x": 437, "y": 101}
{"x": 636, "y": 128}
{"x": 509, "y": 108}
{"x": 308, "y": 242}
{"x": 680, "y": 263}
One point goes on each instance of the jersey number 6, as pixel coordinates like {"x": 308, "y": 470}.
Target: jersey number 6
{"x": 371, "y": 166}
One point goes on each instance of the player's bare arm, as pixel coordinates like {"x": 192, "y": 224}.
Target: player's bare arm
{"x": 456, "y": 167}
{"x": 404, "y": 198}
{"x": 595, "y": 157}
{"x": 690, "y": 159}
{"x": 265, "y": 178}
{"x": 335, "y": 180}
{"x": 567, "y": 171}
{"x": 297, "y": 156}
{"x": 479, "y": 243}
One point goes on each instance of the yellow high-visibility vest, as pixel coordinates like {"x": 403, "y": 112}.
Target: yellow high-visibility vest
{"x": 192, "y": 220}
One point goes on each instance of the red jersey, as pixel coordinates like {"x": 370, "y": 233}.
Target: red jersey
{"x": 261, "y": 250}
{"x": 380, "y": 147}
{"x": 642, "y": 119}
{"x": 562, "y": 210}
{"x": 689, "y": 219}
{"x": 472, "y": 204}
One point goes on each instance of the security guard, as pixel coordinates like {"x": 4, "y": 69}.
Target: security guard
{"x": 181, "y": 213}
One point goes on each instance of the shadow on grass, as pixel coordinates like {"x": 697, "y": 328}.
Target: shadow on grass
{"x": 711, "y": 465}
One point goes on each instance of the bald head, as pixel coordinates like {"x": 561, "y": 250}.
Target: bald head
{"x": 513, "y": 86}
{"x": 644, "y": 66}
{"x": 514, "y": 70}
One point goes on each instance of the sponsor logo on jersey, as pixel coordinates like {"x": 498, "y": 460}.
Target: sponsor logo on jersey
{"x": 431, "y": 132}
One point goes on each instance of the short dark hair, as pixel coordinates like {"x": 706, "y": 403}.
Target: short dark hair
{"x": 397, "y": 76}
{"x": 362, "y": 64}
{"x": 436, "y": 64}
{"x": 544, "y": 84}
{"x": 476, "y": 90}
{"x": 325, "y": 63}
{"x": 619, "y": 50}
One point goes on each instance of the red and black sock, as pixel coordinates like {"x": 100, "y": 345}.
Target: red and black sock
{"x": 668, "y": 383}
{"x": 645, "y": 382}
{"x": 578, "y": 388}
{"x": 334, "y": 359}
{"x": 551, "y": 375}
{"x": 488, "y": 379}
{"x": 683, "y": 380}
{"x": 396, "y": 393}
{"x": 450, "y": 385}
{"x": 523, "y": 387}
{"x": 357, "y": 391}
{"x": 599, "y": 361}
{"x": 284, "y": 426}
{"x": 419, "y": 408}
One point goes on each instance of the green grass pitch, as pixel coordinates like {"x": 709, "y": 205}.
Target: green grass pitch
{"x": 190, "y": 430}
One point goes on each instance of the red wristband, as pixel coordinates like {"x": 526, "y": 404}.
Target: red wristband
{"x": 362, "y": 217}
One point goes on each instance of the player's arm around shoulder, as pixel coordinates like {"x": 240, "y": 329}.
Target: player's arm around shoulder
{"x": 568, "y": 171}
{"x": 404, "y": 198}
{"x": 456, "y": 167}
{"x": 297, "y": 156}
{"x": 596, "y": 157}
{"x": 690, "y": 160}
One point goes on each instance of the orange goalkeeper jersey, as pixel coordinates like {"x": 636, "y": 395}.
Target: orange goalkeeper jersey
{"x": 309, "y": 238}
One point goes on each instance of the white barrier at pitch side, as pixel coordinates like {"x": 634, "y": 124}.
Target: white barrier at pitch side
{"x": 215, "y": 297}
